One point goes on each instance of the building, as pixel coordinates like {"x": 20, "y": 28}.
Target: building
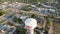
{"x": 4, "y": 29}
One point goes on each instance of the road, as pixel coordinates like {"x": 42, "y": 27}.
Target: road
{"x": 33, "y": 13}
{"x": 51, "y": 27}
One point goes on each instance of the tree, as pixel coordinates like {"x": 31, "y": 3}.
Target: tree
{"x": 15, "y": 19}
{"x": 55, "y": 33}
{"x": 48, "y": 21}
{"x": 33, "y": 15}
{"x": 20, "y": 30}
{"x": 1, "y": 12}
{"x": 0, "y": 0}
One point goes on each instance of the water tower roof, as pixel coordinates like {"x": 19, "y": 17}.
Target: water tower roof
{"x": 31, "y": 22}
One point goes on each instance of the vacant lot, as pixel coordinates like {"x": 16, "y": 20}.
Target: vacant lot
{"x": 57, "y": 27}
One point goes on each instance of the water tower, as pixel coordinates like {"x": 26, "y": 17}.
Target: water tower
{"x": 30, "y": 24}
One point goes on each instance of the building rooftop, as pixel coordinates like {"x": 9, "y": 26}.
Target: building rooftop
{"x": 7, "y": 29}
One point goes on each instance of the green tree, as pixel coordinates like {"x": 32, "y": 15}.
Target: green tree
{"x": 1, "y": 12}
{"x": 47, "y": 18}
{"x": 15, "y": 19}
{"x": 55, "y": 33}
{"x": 18, "y": 20}
{"x": 33, "y": 15}
{"x": 20, "y": 30}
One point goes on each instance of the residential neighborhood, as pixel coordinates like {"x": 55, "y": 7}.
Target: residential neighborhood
{"x": 29, "y": 17}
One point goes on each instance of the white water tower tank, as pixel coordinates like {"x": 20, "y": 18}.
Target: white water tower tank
{"x": 30, "y": 23}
